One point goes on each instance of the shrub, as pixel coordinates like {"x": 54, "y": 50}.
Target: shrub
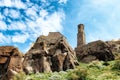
{"x": 106, "y": 63}
{"x": 77, "y": 74}
{"x": 38, "y": 76}
{"x": 96, "y": 64}
{"x": 20, "y": 76}
{"x": 116, "y": 65}
{"x": 55, "y": 77}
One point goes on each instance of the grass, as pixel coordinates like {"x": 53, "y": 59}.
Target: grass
{"x": 96, "y": 70}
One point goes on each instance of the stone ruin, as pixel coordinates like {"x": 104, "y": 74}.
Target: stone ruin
{"x": 97, "y": 50}
{"x": 50, "y": 53}
{"x": 81, "y": 35}
{"x": 10, "y": 62}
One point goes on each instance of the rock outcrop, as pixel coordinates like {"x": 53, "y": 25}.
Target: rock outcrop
{"x": 115, "y": 47}
{"x": 49, "y": 53}
{"x": 10, "y": 62}
{"x": 97, "y": 50}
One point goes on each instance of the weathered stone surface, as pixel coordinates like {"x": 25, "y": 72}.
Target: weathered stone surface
{"x": 10, "y": 62}
{"x": 115, "y": 47}
{"x": 97, "y": 50}
{"x": 49, "y": 53}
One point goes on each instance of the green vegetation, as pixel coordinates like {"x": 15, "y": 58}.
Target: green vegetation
{"x": 96, "y": 70}
{"x": 116, "y": 65}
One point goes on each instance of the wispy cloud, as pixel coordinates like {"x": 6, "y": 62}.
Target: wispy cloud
{"x": 4, "y": 38}
{"x": 3, "y": 26}
{"x": 24, "y": 20}
{"x": 20, "y": 38}
{"x": 12, "y": 3}
{"x": 102, "y": 19}
{"x": 53, "y": 20}
{"x": 30, "y": 18}
{"x": 62, "y": 1}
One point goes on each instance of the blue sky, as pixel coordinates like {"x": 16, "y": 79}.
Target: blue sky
{"x": 22, "y": 21}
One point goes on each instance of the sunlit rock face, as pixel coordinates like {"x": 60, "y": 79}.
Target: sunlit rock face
{"x": 115, "y": 47}
{"x": 49, "y": 53}
{"x": 97, "y": 50}
{"x": 10, "y": 62}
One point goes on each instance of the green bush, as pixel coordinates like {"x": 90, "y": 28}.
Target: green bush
{"x": 55, "y": 77}
{"x": 116, "y": 65}
{"x": 20, "y": 76}
{"x": 106, "y": 63}
{"x": 96, "y": 64}
{"x": 77, "y": 74}
{"x": 38, "y": 76}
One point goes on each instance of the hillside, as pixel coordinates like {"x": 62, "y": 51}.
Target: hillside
{"x": 52, "y": 58}
{"x": 96, "y": 70}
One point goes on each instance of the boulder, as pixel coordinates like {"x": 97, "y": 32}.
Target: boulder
{"x": 115, "y": 47}
{"x": 10, "y": 62}
{"x": 49, "y": 53}
{"x": 97, "y": 50}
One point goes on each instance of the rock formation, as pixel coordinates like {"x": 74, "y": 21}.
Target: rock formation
{"x": 97, "y": 50}
{"x": 10, "y": 62}
{"x": 115, "y": 47}
{"x": 49, "y": 53}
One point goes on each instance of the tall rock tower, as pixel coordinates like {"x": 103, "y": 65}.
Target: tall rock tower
{"x": 81, "y": 35}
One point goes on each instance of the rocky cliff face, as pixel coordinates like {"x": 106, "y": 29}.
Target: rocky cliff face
{"x": 10, "y": 62}
{"x": 97, "y": 50}
{"x": 115, "y": 47}
{"x": 50, "y": 53}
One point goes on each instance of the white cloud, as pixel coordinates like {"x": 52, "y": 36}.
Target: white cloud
{"x": 7, "y": 3}
{"x": 43, "y": 13}
{"x": 6, "y": 12}
{"x": 26, "y": 21}
{"x": 51, "y": 23}
{"x": 12, "y": 3}
{"x": 4, "y": 39}
{"x": 63, "y": 1}
{"x": 14, "y": 14}
{"x": 19, "y": 4}
{"x": 3, "y": 26}
{"x": 102, "y": 19}
{"x": 31, "y": 12}
{"x": 1, "y": 16}
{"x": 20, "y": 38}
{"x": 17, "y": 26}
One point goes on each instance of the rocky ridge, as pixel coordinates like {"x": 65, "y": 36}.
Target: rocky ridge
{"x": 10, "y": 62}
